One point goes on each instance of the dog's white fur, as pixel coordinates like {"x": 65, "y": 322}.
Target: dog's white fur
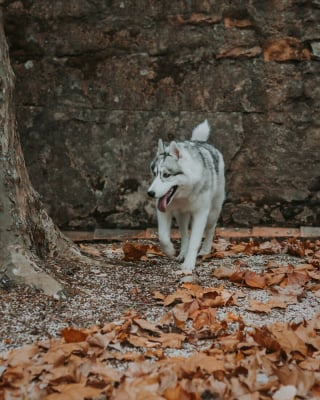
{"x": 198, "y": 173}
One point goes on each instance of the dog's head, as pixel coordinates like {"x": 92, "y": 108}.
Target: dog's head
{"x": 168, "y": 174}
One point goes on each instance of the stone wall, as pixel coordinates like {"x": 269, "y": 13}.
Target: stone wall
{"x": 98, "y": 82}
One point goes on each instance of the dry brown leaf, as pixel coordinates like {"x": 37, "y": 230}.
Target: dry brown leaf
{"x": 63, "y": 374}
{"x": 264, "y": 338}
{"x": 289, "y": 341}
{"x": 214, "y": 297}
{"x": 73, "y": 335}
{"x": 91, "y": 251}
{"x": 310, "y": 364}
{"x": 101, "y": 340}
{"x": 270, "y": 247}
{"x": 274, "y": 278}
{"x": 146, "y": 325}
{"x": 204, "y": 318}
{"x": 296, "y": 248}
{"x": 297, "y": 278}
{"x": 76, "y": 391}
{"x": 134, "y": 251}
{"x": 314, "y": 275}
{"x": 258, "y": 306}
{"x": 23, "y": 356}
{"x": 223, "y": 272}
{"x": 181, "y": 312}
{"x": 181, "y": 295}
{"x": 158, "y": 295}
{"x": 291, "y": 374}
{"x": 177, "y": 393}
{"x": 172, "y": 340}
{"x": 210, "y": 364}
{"x": 252, "y": 279}
{"x": 140, "y": 341}
{"x": 155, "y": 250}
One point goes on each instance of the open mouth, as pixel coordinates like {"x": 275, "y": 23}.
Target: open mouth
{"x": 165, "y": 200}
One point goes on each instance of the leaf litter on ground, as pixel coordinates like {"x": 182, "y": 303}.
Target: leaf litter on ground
{"x": 201, "y": 346}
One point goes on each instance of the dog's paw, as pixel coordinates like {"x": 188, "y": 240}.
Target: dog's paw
{"x": 187, "y": 267}
{"x": 205, "y": 250}
{"x": 168, "y": 249}
{"x": 183, "y": 272}
{"x": 180, "y": 257}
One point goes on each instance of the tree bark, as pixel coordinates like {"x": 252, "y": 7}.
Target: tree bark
{"x": 27, "y": 234}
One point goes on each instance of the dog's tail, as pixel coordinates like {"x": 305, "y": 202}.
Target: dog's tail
{"x": 201, "y": 132}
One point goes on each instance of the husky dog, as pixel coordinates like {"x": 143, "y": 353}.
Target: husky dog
{"x": 189, "y": 185}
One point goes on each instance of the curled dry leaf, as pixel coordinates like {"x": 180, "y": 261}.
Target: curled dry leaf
{"x": 254, "y": 280}
{"x": 73, "y": 335}
{"x": 89, "y": 250}
{"x": 134, "y": 251}
{"x": 258, "y": 306}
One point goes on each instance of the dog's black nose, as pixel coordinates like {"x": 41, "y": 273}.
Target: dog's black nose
{"x": 151, "y": 193}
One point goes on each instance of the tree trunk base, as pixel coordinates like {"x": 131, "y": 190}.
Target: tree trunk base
{"x": 22, "y": 268}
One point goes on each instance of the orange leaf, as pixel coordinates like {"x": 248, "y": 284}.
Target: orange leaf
{"x": 223, "y": 272}
{"x": 74, "y": 391}
{"x": 72, "y": 335}
{"x": 134, "y": 251}
{"x": 254, "y": 280}
{"x": 203, "y": 318}
{"x": 258, "y": 306}
{"x": 180, "y": 295}
{"x": 146, "y": 325}
{"x": 177, "y": 393}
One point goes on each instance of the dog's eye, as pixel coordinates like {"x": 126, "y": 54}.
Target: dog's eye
{"x": 166, "y": 175}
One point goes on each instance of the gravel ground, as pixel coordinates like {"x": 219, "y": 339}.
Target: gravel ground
{"x": 102, "y": 291}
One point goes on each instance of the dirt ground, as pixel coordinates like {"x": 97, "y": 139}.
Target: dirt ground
{"x": 110, "y": 286}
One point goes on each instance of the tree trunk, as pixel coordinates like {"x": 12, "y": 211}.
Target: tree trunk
{"x": 27, "y": 234}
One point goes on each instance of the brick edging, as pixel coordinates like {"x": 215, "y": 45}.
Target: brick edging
{"x": 151, "y": 233}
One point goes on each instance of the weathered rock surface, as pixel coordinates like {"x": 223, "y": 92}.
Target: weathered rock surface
{"x": 97, "y": 83}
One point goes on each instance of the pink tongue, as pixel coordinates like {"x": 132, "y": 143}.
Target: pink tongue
{"x": 162, "y": 203}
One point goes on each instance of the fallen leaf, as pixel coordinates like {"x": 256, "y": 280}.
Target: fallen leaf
{"x": 74, "y": 391}
{"x": 223, "y": 272}
{"x": 91, "y": 251}
{"x": 258, "y": 306}
{"x": 73, "y": 335}
{"x": 288, "y": 340}
{"x": 146, "y": 325}
{"x": 176, "y": 393}
{"x": 200, "y": 360}
{"x": 252, "y": 279}
{"x": 181, "y": 295}
{"x": 23, "y": 356}
{"x": 134, "y": 251}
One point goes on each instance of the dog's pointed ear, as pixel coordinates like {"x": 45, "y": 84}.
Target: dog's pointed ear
{"x": 174, "y": 150}
{"x": 160, "y": 146}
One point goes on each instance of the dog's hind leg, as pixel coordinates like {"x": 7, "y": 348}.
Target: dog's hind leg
{"x": 183, "y": 221}
{"x": 198, "y": 226}
{"x": 164, "y": 226}
{"x": 207, "y": 242}
{"x": 209, "y": 231}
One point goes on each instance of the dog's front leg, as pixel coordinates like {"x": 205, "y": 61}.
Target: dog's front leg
{"x": 164, "y": 226}
{"x": 198, "y": 226}
{"x": 183, "y": 221}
